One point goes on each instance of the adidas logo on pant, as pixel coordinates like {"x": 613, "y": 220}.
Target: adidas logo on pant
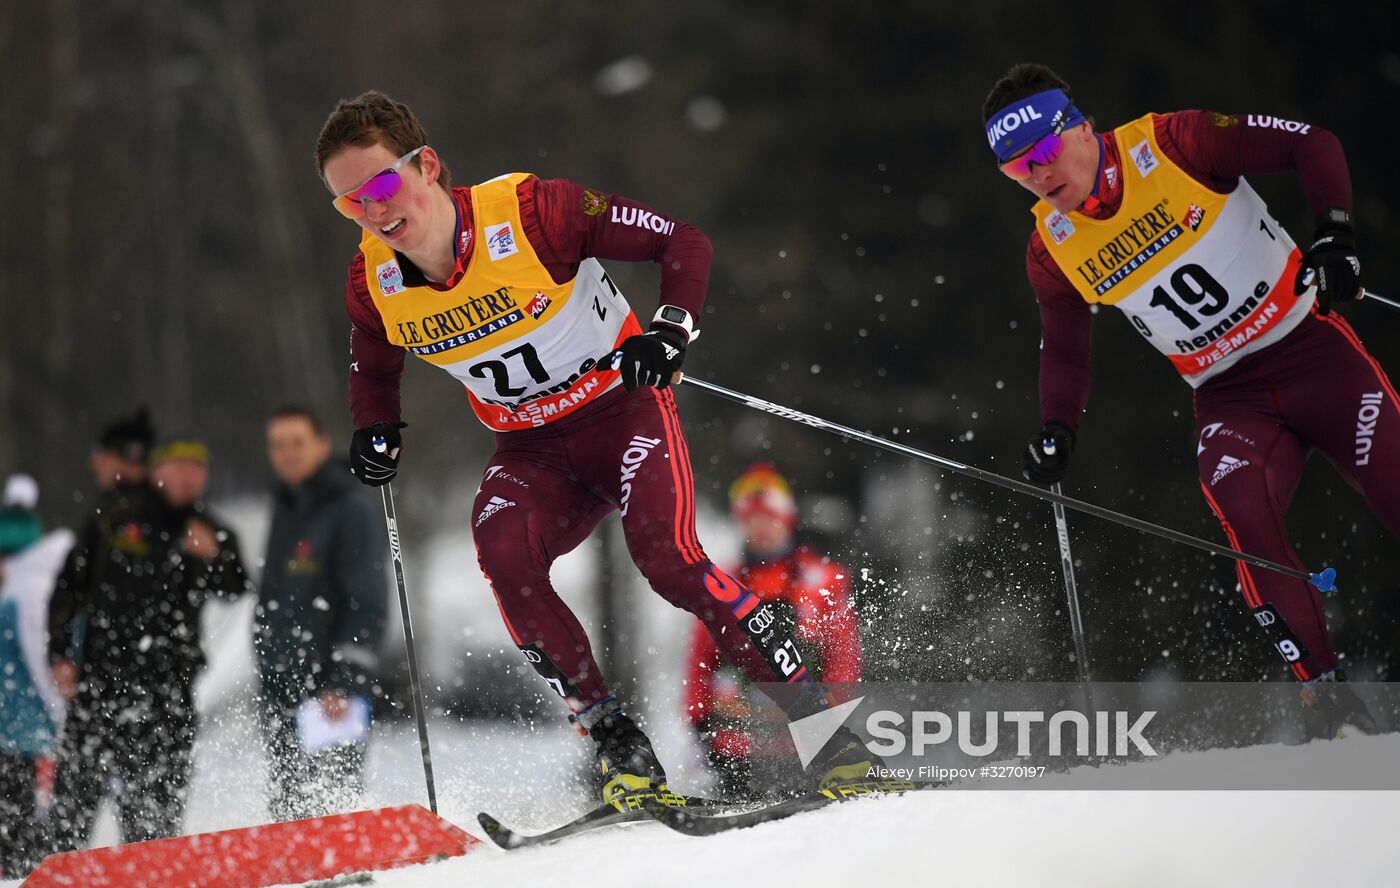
{"x": 1227, "y": 465}
{"x": 495, "y": 505}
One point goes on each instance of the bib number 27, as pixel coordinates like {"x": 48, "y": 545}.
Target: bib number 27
{"x": 499, "y": 370}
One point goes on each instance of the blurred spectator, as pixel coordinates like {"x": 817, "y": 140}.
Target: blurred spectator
{"x": 119, "y": 457}
{"x": 143, "y": 568}
{"x": 180, "y": 474}
{"x": 118, "y": 466}
{"x": 30, "y": 706}
{"x": 319, "y": 622}
{"x": 783, "y": 573}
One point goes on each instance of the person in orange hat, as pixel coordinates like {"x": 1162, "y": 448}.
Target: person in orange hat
{"x": 783, "y": 573}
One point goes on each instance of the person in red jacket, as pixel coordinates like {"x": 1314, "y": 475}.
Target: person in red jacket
{"x": 1156, "y": 219}
{"x": 500, "y": 285}
{"x": 787, "y": 575}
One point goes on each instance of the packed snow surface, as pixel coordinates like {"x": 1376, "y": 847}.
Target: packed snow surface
{"x": 1046, "y": 836}
{"x": 1041, "y": 837}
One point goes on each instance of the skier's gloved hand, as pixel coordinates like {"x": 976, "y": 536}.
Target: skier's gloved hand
{"x": 1046, "y": 458}
{"x": 374, "y": 452}
{"x": 651, "y": 358}
{"x": 1333, "y": 262}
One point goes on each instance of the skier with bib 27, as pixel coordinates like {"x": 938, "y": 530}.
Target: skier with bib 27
{"x": 500, "y": 285}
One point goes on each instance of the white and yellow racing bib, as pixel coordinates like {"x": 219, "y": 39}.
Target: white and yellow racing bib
{"x": 524, "y": 347}
{"x": 1205, "y": 277}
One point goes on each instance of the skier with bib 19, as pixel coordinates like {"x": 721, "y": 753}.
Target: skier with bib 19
{"x": 499, "y": 284}
{"x": 1156, "y": 219}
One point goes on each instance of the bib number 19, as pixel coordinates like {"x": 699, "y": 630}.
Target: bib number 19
{"x": 1192, "y": 285}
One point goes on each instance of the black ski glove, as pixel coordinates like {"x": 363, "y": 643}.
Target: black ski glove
{"x": 1047, "y": 455}
{"x": 651, "y": 358}
{"x": 1332, "y": 259}
{"x": 374, "y": 452}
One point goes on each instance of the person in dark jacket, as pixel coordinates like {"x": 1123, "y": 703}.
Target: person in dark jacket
{"x": 124, "y": 642}
{"x": 118, "y": 466}
{"x": 319, "y": 623}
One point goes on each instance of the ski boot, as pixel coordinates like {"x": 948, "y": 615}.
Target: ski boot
{"x": 1334, "y": 711}
{"x": 630, "y": 770}
{"x": 845, "y": 768}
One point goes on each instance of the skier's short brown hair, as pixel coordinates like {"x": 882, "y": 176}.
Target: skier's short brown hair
{"x": 373, "y": 118}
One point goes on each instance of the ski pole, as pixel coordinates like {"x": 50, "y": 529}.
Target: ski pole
{"x": 1367, "y": 294}
{"x": 1325, "y": 581}
{"x": 1076, "y": 623}
{"x": 397, "y": 553}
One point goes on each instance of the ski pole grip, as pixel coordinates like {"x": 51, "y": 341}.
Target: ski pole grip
{"x": 379, "y": 444}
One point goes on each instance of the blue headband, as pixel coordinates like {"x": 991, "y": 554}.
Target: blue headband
{"x": 1026, "y": 121}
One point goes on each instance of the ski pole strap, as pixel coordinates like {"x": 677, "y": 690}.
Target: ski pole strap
{"x": 1325, "y": 580}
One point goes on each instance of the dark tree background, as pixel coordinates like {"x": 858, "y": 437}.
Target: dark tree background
{"x": 166, "y": 241}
